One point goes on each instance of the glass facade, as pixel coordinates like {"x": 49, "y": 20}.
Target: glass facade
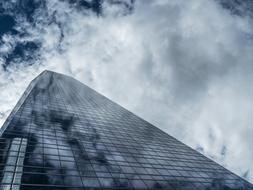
{"x": 64, "y": 135}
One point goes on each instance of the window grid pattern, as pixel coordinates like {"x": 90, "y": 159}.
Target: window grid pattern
{"x": 76, "y": 138}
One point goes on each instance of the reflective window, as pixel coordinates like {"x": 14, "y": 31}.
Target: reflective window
{"x": 64, "y": 135}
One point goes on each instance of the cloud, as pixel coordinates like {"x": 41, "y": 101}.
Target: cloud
{"x": 184, "y": 66}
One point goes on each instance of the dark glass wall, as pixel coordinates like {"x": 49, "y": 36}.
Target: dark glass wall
{"x": 64, "y": 135}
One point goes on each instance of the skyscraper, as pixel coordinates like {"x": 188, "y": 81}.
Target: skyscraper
{"x": 64, "y": 135}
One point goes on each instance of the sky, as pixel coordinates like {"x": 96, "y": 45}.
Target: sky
{"x": 183, "y": 65}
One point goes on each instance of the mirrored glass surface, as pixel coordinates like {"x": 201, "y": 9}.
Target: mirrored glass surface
{"x": 64, "y": 135}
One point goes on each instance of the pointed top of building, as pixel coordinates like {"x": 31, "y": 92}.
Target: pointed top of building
{"x": 64, "y": 135}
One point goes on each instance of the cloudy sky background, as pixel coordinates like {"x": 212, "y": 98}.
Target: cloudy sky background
{"x": 183, "y": 65}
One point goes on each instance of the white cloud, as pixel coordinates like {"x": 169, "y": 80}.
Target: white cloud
{"x": 182, "y": 65}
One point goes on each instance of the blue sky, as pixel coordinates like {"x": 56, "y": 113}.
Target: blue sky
{"x": 183, "y": 65}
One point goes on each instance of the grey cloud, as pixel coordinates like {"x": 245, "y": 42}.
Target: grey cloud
{"x": 185, "y": 66}
{"x": 242, "y": 8}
